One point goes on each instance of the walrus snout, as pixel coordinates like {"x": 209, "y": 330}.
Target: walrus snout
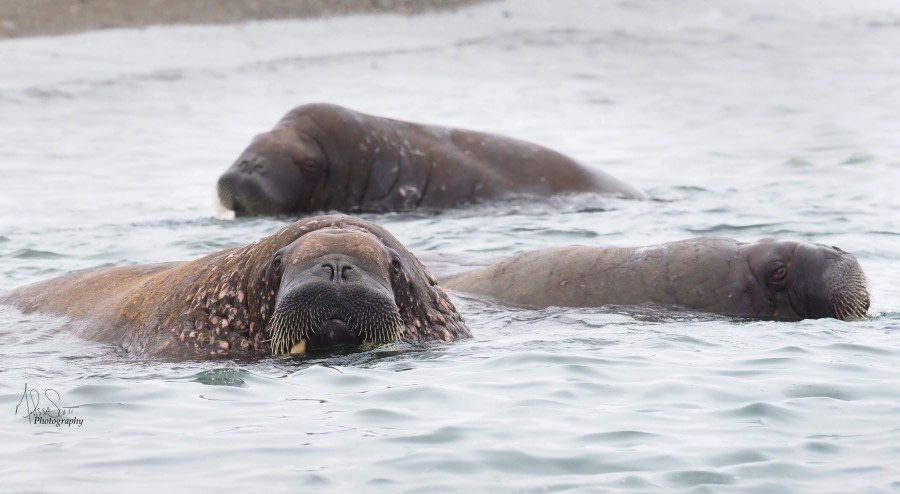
{"x": 253, "y": 185}
{"x": 834, "y": 282}
{"x": 847, "y": 287}
{"x": 335, "y": 302}
{"x": 238, "y": 194}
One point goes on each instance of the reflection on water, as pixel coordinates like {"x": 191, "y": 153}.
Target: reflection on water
{"x": 743, "y": 120}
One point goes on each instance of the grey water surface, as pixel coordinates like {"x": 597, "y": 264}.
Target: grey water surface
{"x": 748, "y": 119}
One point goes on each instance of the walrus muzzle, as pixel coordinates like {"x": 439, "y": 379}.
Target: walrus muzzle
{"x": 316, "y": 314}
{"x": 844, "y": 292}
{"x": 255, "y": 185}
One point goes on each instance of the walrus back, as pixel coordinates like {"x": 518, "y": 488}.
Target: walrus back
{"x": 432, "y": 166}
{"x": 86, "y": 295}
{"x": 574, "y": 276}
{"x": 691, "y": 273}
{"x": 502, "y": 165}
{"x": 530, "y": 168}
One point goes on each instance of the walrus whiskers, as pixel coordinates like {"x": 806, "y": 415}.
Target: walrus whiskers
{"x": 294, "y": 322}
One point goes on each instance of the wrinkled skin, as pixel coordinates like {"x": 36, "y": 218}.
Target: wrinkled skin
{"x": 322, "y": 157}
{"x": 317, "y": 284}
{"x": 769, "y": 279}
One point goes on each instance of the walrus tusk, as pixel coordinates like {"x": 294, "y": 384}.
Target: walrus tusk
{"x": 299, "y": 348}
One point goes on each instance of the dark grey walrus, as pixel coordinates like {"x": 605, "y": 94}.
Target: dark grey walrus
{"x": 313, "y": 285}
{"x": 769, "y": 279}
{"x": 322, "y": 157}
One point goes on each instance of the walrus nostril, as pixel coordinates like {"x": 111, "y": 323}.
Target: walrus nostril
{"x": 256, "y": 164}
{"x": 338, "y": 269}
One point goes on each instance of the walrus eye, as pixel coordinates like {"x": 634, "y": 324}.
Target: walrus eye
{"x": 779, "y": 273}
{"x": 395, "y": 263}
{"x": 277, "y": 266}
{"x": 309, "y": 166}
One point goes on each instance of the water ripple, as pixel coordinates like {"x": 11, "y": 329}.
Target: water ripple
{"x": 693, "y": 478}
{"x": 26, "y": 254}
{"x": 762, "y": 412}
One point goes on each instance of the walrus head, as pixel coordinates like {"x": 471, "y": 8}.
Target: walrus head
{"x": 339, "y": 281}
{"x": 336, "y": 288}
{"x": 803, "y": 280}
{"x": 276, "y": 174}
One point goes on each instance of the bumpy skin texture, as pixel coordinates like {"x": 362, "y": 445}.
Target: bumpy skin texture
{"x": 220, "y": 305}
{"x": 769, "y": 279}
{"x": 323, "y": 157}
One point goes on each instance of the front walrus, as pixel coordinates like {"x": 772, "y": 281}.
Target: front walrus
{"x": 314, "y": 285}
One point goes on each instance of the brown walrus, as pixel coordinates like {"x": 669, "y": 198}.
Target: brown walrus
{"x": 771, "y": 279}
{"x": 315, "y": 284}
{"x": 322, "y": 157}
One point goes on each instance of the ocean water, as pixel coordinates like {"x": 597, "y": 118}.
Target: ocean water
{"x": 746, "y": 119}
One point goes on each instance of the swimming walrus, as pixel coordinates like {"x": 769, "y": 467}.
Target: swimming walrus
{"x": 769, "y": 279}
{"x": 315, "y": 284}
{"x": 322, "y": 157}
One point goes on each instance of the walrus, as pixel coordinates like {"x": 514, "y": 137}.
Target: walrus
{"x": 314, "y": 285}
{"x": 322, "y": 157}
{"x": 767, "y": 279}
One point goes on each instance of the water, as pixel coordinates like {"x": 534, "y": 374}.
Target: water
{"x": 749, "y": 119}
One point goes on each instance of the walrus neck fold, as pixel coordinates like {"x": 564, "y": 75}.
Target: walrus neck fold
{"x": 320, "y": 195}
{"x": 223, "y": 312}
